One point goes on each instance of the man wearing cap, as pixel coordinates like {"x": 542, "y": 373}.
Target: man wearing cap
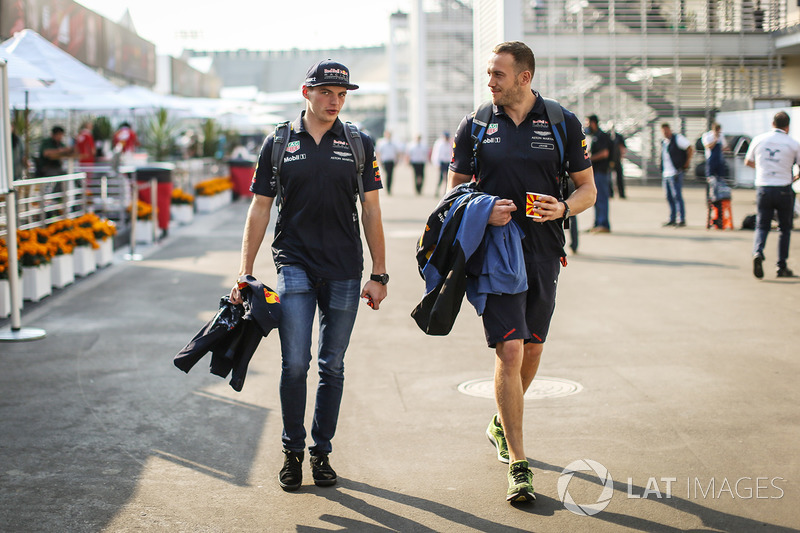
{"x": 318, "y": 254}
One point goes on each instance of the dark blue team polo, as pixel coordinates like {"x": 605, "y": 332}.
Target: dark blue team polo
{"x": 317, "y": 227}
{"x": 514, "y": 160}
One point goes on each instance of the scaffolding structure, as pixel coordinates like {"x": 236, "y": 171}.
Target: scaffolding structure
{"x": 638, "y": 63}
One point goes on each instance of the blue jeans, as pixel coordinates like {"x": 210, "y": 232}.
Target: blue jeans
{"x": 602, "y": 181}
{"x": 337, "y": 301}
{"x": 673, "y": 186}
{"x": 768, "y": 201}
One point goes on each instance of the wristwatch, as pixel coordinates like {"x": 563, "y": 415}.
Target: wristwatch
{"x": 566, "y": 210}
{"x": 383, "y": 279}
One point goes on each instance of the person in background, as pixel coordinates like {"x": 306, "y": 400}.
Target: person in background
{"x": 774, "y": 155}
{"x": 389, "y": 153}
{"x": 17, "y": 154}
{"x": 418, "y": 156}
{"x": 84, "y": 143}
{"x": 52, "y": 152}
{"x": 714, "y": 143}
{"x": 617, "y": 154}
{"x": 676, "y": 155}
{"x": 441, "y": 155}
{"x": 125, "y": 138}
{"x": 601, "y": 147}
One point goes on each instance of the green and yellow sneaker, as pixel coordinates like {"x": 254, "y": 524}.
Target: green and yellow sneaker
{"x": 520, "y": 483}
{"x": 498, "y": 439}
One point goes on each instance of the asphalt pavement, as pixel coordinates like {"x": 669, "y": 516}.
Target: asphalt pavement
{"x": 667, "y": 400}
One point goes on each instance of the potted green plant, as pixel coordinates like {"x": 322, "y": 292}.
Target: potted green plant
{"x": 159, "y": 135}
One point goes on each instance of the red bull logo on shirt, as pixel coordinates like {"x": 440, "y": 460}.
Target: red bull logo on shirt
{"x": 271, "y": 297}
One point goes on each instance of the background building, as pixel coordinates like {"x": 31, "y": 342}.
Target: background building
{"x": 113, "y": 48}
{"x": 638, "y": 63}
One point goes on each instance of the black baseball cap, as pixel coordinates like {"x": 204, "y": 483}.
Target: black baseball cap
{"x": 329, "y": 72}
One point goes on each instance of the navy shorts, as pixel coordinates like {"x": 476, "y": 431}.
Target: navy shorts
{"x": 525, "y": 315}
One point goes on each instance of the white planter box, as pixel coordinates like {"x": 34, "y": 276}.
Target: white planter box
{"x": 105, "y": 254}
{"x": 182, "y": 213}
{"x": 206, "y": 204}
{"x": 144, "y": 231}
{"x": 209, "y": 204}
{"x": 5, "y": 298}
{"x": 62, "y": 270}
{"x": 85, "y": 260}
{"x": 36, "y": 282}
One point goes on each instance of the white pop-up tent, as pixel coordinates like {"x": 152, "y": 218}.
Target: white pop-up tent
{"x": 67, "y": 74}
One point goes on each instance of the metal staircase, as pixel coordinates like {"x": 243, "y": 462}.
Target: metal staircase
{"x": 637, "y": 63}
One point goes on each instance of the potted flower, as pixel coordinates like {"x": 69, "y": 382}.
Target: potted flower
{"x": 144, "y": 223}
{"x": 62, "y": 263}
{"x": 182, "y": 206}
{"x": 34, "y": 255}
{"x": 213, "y": 193}
{"x": 84, "y": 251}
{"x": 5, "y": 289}
{"x": 103, "y": 230}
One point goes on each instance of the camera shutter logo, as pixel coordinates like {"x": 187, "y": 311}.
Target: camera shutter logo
{"x": 585, "y": 465}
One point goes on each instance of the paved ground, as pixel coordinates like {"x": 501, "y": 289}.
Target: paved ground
{"x": 688, "y": 367}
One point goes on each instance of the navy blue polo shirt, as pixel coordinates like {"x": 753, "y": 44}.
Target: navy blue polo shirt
{"x": 601, "y": 141}
{"x": 317, "y": 227}
{"x": 514, "y": 160}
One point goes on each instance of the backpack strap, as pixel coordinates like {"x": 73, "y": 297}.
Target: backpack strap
{"x": 555, "y": 115}
{"x": 480, "y": 121}
{"x": 353, "y": 137}
{"x": 282, "y": 132}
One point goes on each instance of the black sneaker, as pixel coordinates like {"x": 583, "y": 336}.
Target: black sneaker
{"x": 324, "y": 475}
{"x": 786, "y": 272}
{"x": 758, "y": 266}
{"x": 291, "y": 475}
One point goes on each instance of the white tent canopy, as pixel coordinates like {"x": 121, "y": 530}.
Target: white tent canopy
{"x": 68, "y": 74}
{"x": 47, "y": 78}
{"x": 69, "y": 84}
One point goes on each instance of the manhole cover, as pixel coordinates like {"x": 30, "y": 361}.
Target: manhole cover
{"x": 542, "y": 387}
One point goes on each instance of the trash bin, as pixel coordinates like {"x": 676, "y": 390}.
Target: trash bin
{"x": 163, "y": 175}
{"x": 241, "y": 174}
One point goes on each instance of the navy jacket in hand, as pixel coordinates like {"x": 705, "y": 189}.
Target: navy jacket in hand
{"x": 232, "y": 336}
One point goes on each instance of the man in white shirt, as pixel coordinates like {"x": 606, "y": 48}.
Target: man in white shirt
{"x": 388, "y": 153}
{"x": 676, "y": 154}
{"x": 773, "y": 155}
{"x": 441, "y": 155}
{"x": 418, "y": 155}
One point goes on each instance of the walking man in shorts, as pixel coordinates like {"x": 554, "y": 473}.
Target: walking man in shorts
{"x": 509, "y": 165}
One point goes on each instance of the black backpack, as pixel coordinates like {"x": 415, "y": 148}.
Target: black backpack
{"x": 555, "y": 115}
{"x": 282, "y": 133}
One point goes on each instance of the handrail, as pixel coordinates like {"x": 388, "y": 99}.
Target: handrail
{"x": 50, "y": 179}
{"x": 122, "y": 169}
